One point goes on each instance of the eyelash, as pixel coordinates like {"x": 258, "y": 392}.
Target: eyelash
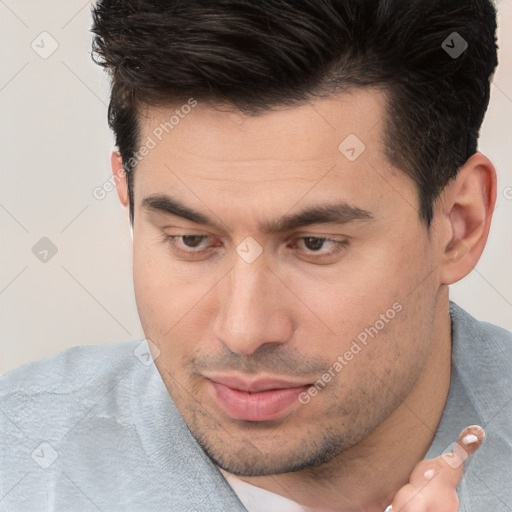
{"x": 338, "y": 245}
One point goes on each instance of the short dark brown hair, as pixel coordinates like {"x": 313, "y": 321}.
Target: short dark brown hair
{"x": 257, "y": 55}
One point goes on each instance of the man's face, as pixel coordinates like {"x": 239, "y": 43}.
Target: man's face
{"x": 246, "y": 295}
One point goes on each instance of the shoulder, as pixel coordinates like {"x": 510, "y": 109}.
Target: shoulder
{"x": 44, "y": 400}
{"x": 69, "y": 370}
{"x": 482, "y": 360}
{"x": 59, "y": 383}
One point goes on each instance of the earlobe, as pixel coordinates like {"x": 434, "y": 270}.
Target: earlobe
{"x": 468, "y": 205}
{"x": 119, "y": 176}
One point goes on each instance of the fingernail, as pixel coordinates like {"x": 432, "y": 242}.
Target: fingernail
{"x": 429, "y": 474}
{"x": 470, "y": 438}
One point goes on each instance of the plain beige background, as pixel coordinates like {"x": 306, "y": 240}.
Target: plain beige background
{"x": 55, "y": 147}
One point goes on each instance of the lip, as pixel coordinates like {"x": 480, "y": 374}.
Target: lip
{"x": 240, "y": 384}
{"x": 259, "y": 400}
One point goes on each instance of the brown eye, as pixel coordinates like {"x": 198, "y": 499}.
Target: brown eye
{"x": 313, "y": 243}
{"x": 187, "y": 244}
{"x": 318, "y": 248}
{"x": 192, "y": 240}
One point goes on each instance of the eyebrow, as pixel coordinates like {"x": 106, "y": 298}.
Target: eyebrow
{"x": 328, "y": 213}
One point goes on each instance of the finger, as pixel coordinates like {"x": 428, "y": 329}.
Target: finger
{"x": 449, "y": 466}
{"x": 470, "y": 439}
{"x": 432, "y": 485}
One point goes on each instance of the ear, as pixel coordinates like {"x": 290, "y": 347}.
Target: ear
{"x": 119, "y": 173}
{"x": 466, "y": 208}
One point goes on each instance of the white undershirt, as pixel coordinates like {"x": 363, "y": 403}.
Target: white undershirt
{"x": 256, "y": 499}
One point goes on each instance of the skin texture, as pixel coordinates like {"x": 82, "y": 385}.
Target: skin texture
{"x": 291, "y": 312}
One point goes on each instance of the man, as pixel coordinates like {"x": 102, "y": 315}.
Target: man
{"x": 303, "y": 184}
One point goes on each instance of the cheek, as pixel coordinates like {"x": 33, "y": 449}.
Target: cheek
{"x": 351, "y": 297}
{"x": 172, "y": 305}
{"x": 380, "y": 299}
{"x": 158, "y": 292}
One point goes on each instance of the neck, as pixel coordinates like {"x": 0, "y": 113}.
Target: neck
{"x": 366, "y": 477}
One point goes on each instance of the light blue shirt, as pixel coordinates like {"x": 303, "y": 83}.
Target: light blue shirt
{"x": 93, "y": 428}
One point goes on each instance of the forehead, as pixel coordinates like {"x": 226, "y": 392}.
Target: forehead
{"x": 328, "y": 150}
{"x": 308, "y": 132}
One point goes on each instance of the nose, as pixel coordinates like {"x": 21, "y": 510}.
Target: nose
{"x": 252, "y": 309}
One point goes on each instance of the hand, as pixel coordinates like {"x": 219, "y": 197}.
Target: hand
{"x": 433, "y": 483}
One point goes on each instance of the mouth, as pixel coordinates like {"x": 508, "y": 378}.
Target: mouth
{"x": 260, "y": 400}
